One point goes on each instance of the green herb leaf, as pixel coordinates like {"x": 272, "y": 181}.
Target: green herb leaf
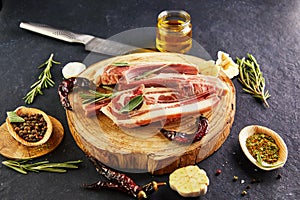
{"x": 58, "y": 170}
{"x": 13, "y": 117}
{"x": 22, "y": 167}
{"x": 252, "y": 78}
{"x": 145, "y": 74}
{"x": 132, "y": 104}
{"x": 120, "y": 64}
{"x": 18, "y": 169}
{"x": 107, "y": 88}
{"x": 44, "y": 81}
{"x": 260, "y": 162}
{"x": 94, "y": 96}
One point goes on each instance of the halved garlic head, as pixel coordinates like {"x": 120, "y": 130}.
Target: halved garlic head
{"x": 190, "y": 181}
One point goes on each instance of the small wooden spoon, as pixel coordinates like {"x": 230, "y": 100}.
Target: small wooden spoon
{"x": 283, "y": 151}
{"x": 30, "y": 111}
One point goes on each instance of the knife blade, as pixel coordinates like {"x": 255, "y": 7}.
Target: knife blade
{"x": 92, "y": 43}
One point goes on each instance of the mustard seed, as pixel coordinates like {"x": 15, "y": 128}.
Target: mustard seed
{"x": 235, "y": 178}
{"x": 244, "y": 193}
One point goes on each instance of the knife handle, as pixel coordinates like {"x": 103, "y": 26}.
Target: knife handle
{"x": 56, "y": 33}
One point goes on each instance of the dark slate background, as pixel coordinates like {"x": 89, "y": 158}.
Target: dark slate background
{"x": 268, "y": 29}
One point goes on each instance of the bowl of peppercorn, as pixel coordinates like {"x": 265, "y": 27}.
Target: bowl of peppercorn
{"x": 29, "y": 126}
{"x": 263, "y": 147}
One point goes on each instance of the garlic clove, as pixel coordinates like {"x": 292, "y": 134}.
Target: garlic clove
{"x": 227, "y": 65}
{"x": 73, "y": 69}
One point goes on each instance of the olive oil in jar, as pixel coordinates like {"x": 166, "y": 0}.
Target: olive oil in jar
{"x": 174, "y": 32}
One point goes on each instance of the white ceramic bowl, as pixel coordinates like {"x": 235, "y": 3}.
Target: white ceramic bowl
{"x": 283, "y": 151}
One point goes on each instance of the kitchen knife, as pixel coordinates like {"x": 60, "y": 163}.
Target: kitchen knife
{"x": 92, "y": 43}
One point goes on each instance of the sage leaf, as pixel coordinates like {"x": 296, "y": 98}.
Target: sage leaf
{"x": 132, "y": 104}
{"x": 13, "y": 117}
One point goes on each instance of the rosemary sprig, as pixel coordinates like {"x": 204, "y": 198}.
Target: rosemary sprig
{"x": 120, "y": 64}
{"x": 252, "y": 78}
{"x": 132, "y": 104}
{"x": 94, "y": 96}
{"x": 22, "y": 166}
{"x": 44, "y": 81}
{"x": 145, "y": 74}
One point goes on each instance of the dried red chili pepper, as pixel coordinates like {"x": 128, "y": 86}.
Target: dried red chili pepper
{"x": 177, "y": 136}
{"x": 121, "y": 182}
{"x": 152, "y": 187}
{"x": 202, "y": 128}
{"x": 106, "y": 185}
{"x": 67, "y": 85}
{"x": 146, "y": 189}
{"x": 184, "y": 138}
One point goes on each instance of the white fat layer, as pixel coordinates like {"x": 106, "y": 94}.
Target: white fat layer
{"x": 164, "y": 111}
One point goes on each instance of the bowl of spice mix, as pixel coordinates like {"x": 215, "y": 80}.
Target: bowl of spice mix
{"x": 29, "y": 126}
{"x": 263, "y": 147}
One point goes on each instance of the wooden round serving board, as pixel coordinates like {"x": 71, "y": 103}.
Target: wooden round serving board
{"x": 145, "y": 149}
{"x": 11, "y": 148}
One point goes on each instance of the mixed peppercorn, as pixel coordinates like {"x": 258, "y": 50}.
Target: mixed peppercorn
{"x": 264, "y": 145}
{"x": 32, "y": 129}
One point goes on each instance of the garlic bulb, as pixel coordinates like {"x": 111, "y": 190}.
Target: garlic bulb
{"x": 190, "y": 181}
{"x": 208, "y": 68}
{"x": 73, "y": 69}
{"x": 228, "y": 66}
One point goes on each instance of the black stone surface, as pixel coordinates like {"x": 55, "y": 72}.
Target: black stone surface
{"x": 268, "y": 29}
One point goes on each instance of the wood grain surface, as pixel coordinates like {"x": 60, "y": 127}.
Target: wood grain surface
{"x": 145, "y": 149}
{"x": 30, "y": 111}
{"x": 11, "y": 148}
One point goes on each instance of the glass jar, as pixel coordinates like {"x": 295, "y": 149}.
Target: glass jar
{"x": 174, "y": 31}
